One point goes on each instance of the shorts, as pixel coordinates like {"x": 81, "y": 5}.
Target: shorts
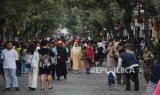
{"x": 47, "y": 71}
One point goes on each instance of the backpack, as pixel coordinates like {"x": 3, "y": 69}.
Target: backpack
{"x": 110, "y": 76}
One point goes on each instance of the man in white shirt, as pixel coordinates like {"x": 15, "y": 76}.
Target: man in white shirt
{"x": 10, "y": 56}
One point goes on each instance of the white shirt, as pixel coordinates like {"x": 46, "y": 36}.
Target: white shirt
{"x": 33, "y": 59}
{"x": 9, "y": 58}
{"x": 119, "y": 62}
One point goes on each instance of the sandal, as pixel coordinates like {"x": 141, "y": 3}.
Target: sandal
{"x": 50, "y": 87}
{"x": 42, "y": 88}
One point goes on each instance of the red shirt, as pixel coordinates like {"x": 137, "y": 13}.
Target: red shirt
{"x": 89, "y": 53}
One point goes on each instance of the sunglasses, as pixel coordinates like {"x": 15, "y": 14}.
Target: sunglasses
{"x": 60, "y": 44}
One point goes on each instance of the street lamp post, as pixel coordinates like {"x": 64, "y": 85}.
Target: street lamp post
{"x": 105, "y": 33}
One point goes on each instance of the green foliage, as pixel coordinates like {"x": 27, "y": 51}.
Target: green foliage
{"x": 92, "y": 14}
{"x": 156, "y": 4}
{"x": 30, "y": 16}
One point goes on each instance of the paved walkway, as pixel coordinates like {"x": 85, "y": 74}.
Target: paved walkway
{"x": 76, "y": 84}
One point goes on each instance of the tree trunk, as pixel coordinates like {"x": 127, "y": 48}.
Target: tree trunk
{"x": 127, "y": 20}
{"x": 146, "y": 24}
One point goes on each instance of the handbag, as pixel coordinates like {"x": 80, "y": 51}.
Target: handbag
{"x": 157, "y": 90}
{"x": 28, "y": 65}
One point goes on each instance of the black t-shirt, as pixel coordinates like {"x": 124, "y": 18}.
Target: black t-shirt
{"x": 44, "y": 51}
{"x": 45, "y": 57}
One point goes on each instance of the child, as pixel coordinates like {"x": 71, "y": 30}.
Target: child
{"x": 111, "y": 79}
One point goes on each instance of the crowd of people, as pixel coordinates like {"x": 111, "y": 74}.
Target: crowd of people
{"x": 51, "y": 59}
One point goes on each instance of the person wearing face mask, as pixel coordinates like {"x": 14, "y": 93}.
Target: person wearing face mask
{"x": 76, "y": 55}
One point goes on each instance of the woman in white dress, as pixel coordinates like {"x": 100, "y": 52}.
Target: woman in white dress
{"x": 32, "y": 65}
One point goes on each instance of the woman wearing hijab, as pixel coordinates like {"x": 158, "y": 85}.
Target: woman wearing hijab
{"x": 76, "y": 55}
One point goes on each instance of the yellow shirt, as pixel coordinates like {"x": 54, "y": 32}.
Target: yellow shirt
{"x": 19, "y": 52}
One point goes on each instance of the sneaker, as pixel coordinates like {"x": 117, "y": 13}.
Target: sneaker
{"x": 16, "y": 88}
{"x": 110, "y": 88}
{"x": 75, "y": 72}
{"x": 7, "y": 89}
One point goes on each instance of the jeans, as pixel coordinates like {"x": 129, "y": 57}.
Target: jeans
{"x": 10, "y": 77}
{"x": 23, "y": 67}
{"x": 111, "y": 81}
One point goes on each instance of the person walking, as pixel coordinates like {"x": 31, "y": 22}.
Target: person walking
{"x": 100, "y": 54}
{"x": 18, "y": 49}
{"x": 24, "y": 70}
{"x": 89, "y": 54}
{"x": 148, "y": 64}
{"x": 10, "y": 56}
{"x": 69, "y": 62}
{"x": 32, "y": 59}
{"x": 110, "y": 56}
{"x": 61, "y": 68}
{"x": 53, "y": 59}
{"x": 45, "y": 67}
{"x": 76, "y": 55}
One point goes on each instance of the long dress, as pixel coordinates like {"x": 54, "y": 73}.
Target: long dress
{"x": 61, "y": 68}
{"x": 88, "y": 57}
{"x": 110, "y": 57}
{"x": 76, "y": 57}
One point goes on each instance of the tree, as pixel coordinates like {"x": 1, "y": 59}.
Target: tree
{"x": 128, "y": 6}
{"x": 94, "y": 13}
{"x": 156, "y": 6}
{"x": 29, "y": 17}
